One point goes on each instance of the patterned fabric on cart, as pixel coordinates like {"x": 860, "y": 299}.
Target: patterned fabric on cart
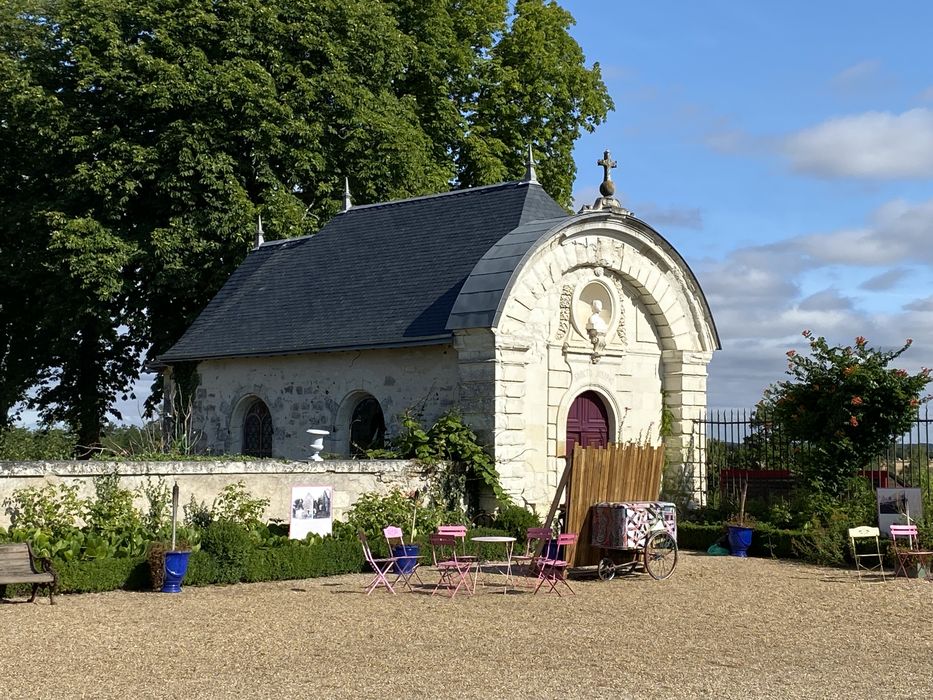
{"x": 627, "y": 525}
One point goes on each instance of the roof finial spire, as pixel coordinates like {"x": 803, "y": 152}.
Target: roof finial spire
{"x": 530, "y": 176}
{"x": 347, "y": 201}
{"x": 260, "y": 238}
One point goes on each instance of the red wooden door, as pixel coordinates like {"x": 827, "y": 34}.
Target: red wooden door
{"x": 587, "y": 422}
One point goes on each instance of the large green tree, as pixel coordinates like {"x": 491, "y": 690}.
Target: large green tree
{"x": 140, "y": 139}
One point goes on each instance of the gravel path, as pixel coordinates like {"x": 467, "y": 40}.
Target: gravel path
{"x": 719, "y": 627}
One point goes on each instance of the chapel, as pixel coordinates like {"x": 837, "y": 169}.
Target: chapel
{"x": 543, "y": 328}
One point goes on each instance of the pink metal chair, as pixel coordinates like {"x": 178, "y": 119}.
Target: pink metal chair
{"x": 909, "y": 555}
{"x": 406, "y": 566}
{"x": 459, "y": 533}
{"x": 454, "y": 571}
{"x": 554, "y": 571}
{"x": 380, "y": 567}
{"x": 536, "y": 540}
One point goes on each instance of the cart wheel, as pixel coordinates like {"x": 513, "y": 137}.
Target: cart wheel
{"x": 606, "y": 570}
{"x": 660, "y": 555}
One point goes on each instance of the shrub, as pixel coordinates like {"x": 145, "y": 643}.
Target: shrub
{"x": 372, "y": 512}
{"x": 229, "y": 545}
{"x": 23, "y": 444}
{"x": 236, "y": 505}
{"x": 515, "y": 520}
{"x": 54, "y": 509}
{"x": 113, "y": 516}
{"x": 846, "y": 404}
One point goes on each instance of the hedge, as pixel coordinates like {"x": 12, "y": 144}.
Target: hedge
{"x": 328, "y": 557}
{"x": 766, "y": 542}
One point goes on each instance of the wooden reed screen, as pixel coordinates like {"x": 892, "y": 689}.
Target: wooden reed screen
{"x": 628, "y": 472}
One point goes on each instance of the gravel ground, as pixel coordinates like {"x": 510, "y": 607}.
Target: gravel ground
{"x": 720, "y": 627}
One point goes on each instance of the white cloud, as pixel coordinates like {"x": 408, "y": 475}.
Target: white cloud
{"x": 668, "y": 216}
{"x": 898, "y": 231}
{"x": 877, "y": 145}
{"x": 862, "y": 77}
{"x": 886, "y": 280}
{"x": 924, "y": 305}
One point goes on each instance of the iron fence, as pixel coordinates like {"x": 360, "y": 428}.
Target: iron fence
{"x": 732, "y": 447}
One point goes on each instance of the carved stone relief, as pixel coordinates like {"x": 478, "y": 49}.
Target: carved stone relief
{"x": 566, "y": 298}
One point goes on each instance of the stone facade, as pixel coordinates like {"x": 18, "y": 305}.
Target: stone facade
{"x": 203, "y": 480}
{"x": 319, "y": 391}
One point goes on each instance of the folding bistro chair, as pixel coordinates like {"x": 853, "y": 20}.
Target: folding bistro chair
{"x": 905, "y": 556}
{"x": 458, "y": 532}
{"x": 454, "y": 571}
{"x": 536, "y": 540}
{"x": 866, "y": 535}
{"x": 380, "y": 566}
{"x": 554, "y": 571}
{"x": 406, "y": 565}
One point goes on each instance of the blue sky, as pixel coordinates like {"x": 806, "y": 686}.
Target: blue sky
{"x": 786, "y": 150}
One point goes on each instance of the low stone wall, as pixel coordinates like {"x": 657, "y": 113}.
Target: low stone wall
{"x": 204, "y": 479}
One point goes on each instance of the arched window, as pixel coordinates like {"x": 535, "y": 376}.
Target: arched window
{"x": 367, "y": 427}
{"x": 257, "y": 430}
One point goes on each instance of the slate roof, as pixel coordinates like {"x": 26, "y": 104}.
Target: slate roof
{"x": 378, "y": 275}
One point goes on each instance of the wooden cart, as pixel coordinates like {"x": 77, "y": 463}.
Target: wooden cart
{"x": 635, "y": 533}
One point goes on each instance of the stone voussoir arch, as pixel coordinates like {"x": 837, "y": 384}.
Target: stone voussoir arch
{"x": 627, "y": 248}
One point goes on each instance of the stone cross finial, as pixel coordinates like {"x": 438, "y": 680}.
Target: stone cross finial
{"x": 606, "y": 188}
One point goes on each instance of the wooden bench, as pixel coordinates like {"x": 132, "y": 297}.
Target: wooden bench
{"x": 17, "y": 566}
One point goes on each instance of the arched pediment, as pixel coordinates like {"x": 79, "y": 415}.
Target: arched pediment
{"x": 528, "y": 261}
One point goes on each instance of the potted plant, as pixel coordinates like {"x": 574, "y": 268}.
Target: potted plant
{"x": 175, "y": 559}
{"x": 407, "y": 554}
{"x": 740, "y": 527}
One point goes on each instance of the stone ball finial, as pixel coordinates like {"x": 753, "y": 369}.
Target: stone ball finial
{"x": 607, "y": 188}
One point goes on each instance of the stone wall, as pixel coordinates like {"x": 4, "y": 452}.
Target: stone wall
{"x": 204, "y": 479}
{"x": 319, "y": 391}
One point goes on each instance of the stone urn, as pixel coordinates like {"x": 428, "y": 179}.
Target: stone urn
{"x": 317, "y": 444}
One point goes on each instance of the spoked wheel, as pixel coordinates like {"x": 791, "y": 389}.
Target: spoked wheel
{"x": 606, "y": 569}
{"x": 660, "y": 555}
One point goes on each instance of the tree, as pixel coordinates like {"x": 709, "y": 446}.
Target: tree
{"x": 140, "y": 140}
{"x": 846, "y": 403}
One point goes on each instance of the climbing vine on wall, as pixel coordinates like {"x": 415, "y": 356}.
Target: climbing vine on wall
{"x": 458, "y": 463}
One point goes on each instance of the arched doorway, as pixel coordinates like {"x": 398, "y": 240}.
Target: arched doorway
{"x": 257, "y": 430}
{"x": 587, "y": 422}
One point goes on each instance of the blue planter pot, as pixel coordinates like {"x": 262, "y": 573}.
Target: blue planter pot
{"x": 176, "y": 564}
{"x": 552, "y": 551}
{"x": 410, "y": 553}
{"x": 740, "y": 539}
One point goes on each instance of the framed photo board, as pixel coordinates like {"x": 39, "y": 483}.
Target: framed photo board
{"x": 895, "y": 505}
{"x": 311, "y": 511}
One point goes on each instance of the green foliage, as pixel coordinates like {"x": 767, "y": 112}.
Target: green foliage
{"x": 846, "y": 403}
{"x": 197, "y": 515}
{"x": 54, "y": 509}
{"x": 459, "y": 463}
{"x": 372, "y": 512}
{"x": 158, "y": 500}
{"x": 229, "y": 545}
{"x": 113, "y": 517}
{"x": 236, "y": 505}
{"x": 515, "y": 520}
{"x": 23, "y": 444}
{"x": 139, "y": 147}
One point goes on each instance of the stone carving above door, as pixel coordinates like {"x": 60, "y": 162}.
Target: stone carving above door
{"x": 593, "y": 309}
